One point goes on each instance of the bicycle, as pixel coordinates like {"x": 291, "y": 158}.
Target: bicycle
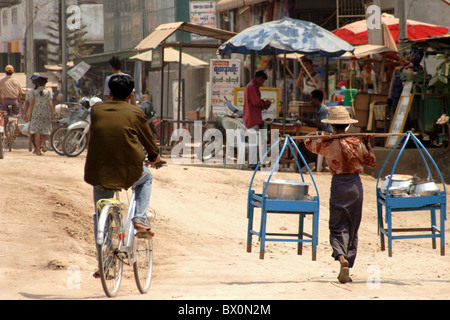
{"x": 11, "y": 128}
{"x": 117, "y": 243}
{"x": 3, "y": 115}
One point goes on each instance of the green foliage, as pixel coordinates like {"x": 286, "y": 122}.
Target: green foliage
{"x": 441, "y": 79}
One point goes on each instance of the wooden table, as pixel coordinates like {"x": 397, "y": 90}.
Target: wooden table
{"x": 293, "y": 129}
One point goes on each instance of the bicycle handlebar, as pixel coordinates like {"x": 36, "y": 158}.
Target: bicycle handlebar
{"x": 157, "y": 165}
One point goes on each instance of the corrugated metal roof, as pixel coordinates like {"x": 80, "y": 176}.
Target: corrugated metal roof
{"x": 164, "y": 31}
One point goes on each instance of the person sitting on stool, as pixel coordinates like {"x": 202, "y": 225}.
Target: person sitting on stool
{"x": 321, "y": 113}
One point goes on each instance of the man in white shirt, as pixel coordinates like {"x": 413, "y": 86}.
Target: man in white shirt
{"x": 115, "y": 65}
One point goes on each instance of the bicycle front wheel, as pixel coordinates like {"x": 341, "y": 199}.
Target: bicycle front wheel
{"x": 143, "y": 263}
{"x": 109, "y": 259}
{"x": 2, "y": 145}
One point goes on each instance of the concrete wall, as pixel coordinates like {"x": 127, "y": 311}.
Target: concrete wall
{"x": 429, "y": 11}
{"x": 411, "y": 162}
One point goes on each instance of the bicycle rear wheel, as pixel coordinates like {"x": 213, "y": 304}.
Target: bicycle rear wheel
{"x": 2, "y": 145}
{"x": 143, "y": 263}
{"x": 109, "y": 259}
{"x": 10, "y": 134}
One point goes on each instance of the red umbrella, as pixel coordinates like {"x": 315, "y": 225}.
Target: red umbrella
{"x": 356, "y": 32}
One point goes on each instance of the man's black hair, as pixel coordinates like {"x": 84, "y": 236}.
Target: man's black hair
{"x": 121, "y": 86}
{"x": 261, "y": 74}
{"x": 317, "y": 94}
{"x": 115, "y": 62}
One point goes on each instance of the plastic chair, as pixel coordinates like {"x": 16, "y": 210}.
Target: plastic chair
{"x": 240, "y": 132}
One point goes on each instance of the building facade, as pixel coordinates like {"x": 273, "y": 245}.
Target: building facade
{"x": 32, "y": 20}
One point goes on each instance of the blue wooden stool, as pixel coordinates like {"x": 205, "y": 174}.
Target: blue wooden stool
{"x": 271, "y": 206}
{"x": 431, "y": 203}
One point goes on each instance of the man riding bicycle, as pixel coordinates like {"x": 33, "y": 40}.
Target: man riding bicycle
{"x": 10, "y": 92}
{"x": 115, "y": 156}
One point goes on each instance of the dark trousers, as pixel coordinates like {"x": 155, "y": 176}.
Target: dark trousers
{"x": 346, "y": 198}
{"x": 308, "y": 155}
{"x": 12, "y": 102}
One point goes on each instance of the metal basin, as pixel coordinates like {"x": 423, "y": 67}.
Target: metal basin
{"x": 287, "y": 190}
{"x": 398, "y": 192}
{"x": 425, "y": 188}
{"x": 398, "y": 181}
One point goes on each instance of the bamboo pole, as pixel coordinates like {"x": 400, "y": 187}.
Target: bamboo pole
{"x": 343, "y": 135}
{"x": 307, "y": 72}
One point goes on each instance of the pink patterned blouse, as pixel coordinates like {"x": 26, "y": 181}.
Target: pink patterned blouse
{"x": 343, "y": 155}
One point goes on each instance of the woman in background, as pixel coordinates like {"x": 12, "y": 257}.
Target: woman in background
{"x": 41, "y": 111}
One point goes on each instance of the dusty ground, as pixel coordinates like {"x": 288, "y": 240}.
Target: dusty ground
{"x": 47, "y": 246}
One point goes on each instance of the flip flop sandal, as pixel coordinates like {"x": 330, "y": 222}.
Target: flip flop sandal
{"x": 344, "y": 275}
{"x": 144, "y": 233}
{"x": 96, "y": 275}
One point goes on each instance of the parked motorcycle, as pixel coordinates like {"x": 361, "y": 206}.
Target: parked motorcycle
{"x": 77, "y": 136}
{"x": 70, "y": 115}
{"x": 150, "y": 115}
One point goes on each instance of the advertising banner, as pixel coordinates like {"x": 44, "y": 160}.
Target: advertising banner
{"x": 225, "y": 75}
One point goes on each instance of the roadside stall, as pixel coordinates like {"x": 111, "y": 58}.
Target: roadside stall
{"x": 429, "y": 101}
{"x": 283, "y": 37}
{"x": 363, "y": 88}
{"x": 158, "y": 41}
{"x": 272, "y": 38}
{"x": 420, "y": 107}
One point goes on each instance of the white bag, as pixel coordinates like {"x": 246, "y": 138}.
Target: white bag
{"x": 26, "y": 129}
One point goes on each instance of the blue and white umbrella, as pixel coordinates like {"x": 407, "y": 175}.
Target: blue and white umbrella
{"x": 286, "y": 35}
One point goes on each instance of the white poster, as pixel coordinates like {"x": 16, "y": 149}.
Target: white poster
{"x": 225, "y": 75}
{"x": 79, "y": 70}
{"x": 204, "y": 14}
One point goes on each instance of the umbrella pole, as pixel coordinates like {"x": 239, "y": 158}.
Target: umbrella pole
{"x": 161, "y": 107}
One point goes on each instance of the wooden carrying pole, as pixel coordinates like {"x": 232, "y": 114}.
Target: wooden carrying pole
{"x": 307, "y": 72}
{"x": 343, "y": 135}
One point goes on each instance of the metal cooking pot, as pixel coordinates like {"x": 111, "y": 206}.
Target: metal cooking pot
{"x": 398, "y": 192}
{"x": 398, "y": 181}
{"x": 286, "y": 189}
{"x": 425, "y": 188}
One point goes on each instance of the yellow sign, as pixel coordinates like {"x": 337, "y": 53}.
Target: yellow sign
{"x": 271, "y": 94}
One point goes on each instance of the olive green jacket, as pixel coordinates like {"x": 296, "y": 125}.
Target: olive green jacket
{"x": 115, "y": 155}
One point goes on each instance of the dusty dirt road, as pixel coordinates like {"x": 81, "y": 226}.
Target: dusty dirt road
{"x": 47, "y": 244}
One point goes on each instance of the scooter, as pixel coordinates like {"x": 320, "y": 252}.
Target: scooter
{"x": 60, "y": 127}
{"x": 77, "y": 136}
{"x": 150, "y": 115}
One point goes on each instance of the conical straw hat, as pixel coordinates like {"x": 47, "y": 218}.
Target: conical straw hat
{"x": 339, "y": 115}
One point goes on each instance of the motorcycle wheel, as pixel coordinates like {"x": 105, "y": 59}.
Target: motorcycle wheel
{"x": 74, "y": 143}
{"x": 57, "y": 138}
